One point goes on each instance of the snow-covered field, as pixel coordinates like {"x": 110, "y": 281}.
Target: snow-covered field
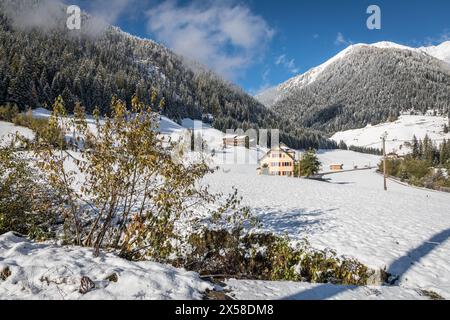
{"x": 405, "y": 229}
{"x": 266, "y": 290}
{"x": 9, "y": 130}
{"x": 399, "y": 132}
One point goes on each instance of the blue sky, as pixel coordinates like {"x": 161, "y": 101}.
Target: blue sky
{"x": 261, "y": 43}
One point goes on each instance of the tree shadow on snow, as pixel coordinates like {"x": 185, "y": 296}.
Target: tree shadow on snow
{"x": 295, "y": 221}
{"x": 398, "y": 268}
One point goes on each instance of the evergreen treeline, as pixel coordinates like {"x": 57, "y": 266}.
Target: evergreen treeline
{"x": 369, "y": 86}
{"x": 427, "y": 165}
{"x": 368, "y": 150}
{"x": 37, "y": 65}
{"x": 433, "y": 153}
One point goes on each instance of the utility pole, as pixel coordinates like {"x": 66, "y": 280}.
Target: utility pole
{"x": 383, "y": 137}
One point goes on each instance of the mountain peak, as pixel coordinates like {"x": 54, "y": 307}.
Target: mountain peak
{"x": 390, "y": 45}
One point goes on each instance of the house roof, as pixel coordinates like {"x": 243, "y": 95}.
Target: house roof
{"x": 279, "y": 149}
{"x": 235, "y": 137}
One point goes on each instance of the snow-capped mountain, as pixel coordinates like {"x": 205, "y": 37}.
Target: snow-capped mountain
{"x": 441, "y": 51}
{"x": 275, "y": 94}
{"x": 365, "y": 84}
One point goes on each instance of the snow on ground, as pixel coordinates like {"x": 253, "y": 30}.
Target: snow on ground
{"x": 9, "y": 130}
{"x": 213, "y": 137}
{"x": 269, "y": 290}
{"x": 349, "y": 159}
{"x": 45, "y": 271}
{"x": 398, "y": 132}
{"x": 404, "y": 229}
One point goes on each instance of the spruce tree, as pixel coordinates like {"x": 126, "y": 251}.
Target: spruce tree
{"x": 310, "y": 164}
{"x": 415, "y": 148}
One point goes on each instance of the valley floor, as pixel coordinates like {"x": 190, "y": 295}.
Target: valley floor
{"x": 405, "y": 230}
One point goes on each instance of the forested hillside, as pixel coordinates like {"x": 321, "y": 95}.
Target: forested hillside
{"x": 38, "y": 64}
{"x": 367, "y": 85}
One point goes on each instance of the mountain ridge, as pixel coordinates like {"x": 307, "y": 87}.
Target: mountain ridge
{"x": 271, "y": 96}
{"x": 365, "y": 84}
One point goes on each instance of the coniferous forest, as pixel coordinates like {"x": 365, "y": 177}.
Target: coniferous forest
{"x": 39, "y": 64}
{"x": 369, "y": 86}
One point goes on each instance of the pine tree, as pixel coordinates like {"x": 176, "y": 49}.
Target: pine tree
{"x": 310, "y": 164}
{"x": 342, "y": 145}
{"x": 415, "y": 148}
{"x": 444, "y": 154}
{"x": 21, "y": 86}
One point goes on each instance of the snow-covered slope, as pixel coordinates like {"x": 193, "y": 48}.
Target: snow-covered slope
{"x": 399, "y": 133}
{"x": 272, "y": 95}
{"x": 167, "y": 127}
{"x": 441, "y": 51}
{"x": 9, "y": 130}
{"x": 51, "y": 272}
{"x": 405, "y": 230}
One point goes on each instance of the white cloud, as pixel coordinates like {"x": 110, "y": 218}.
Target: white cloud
{"x": 46, "y": 14}
{"x": 289, "y": 64}
{"x": 223, "y": 35}
{"x": 265, "y": 75}
{"x": 104, "y": 13}
{"x": 431, "y": 41}
{"x": 341, "y": 40}
{"x": 109, "y": 10}
{"x": 50, "y": 14}
{"x": 444, "y": 36}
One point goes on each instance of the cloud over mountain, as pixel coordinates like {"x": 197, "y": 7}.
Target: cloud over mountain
{"x": 223, "y": 35}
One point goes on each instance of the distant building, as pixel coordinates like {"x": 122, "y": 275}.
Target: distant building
{"x": 207, "y": 118}
{"x": 279, "y": 161}
{"x": 236, "y": 141}
{"x": 394, "y": 156}
{"x": 336, "y": 167}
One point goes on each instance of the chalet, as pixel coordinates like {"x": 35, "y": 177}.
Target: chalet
{"x": 336, "y": 167}
{"x": 236, "y": 141}
{"x": 279, "y": 161}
